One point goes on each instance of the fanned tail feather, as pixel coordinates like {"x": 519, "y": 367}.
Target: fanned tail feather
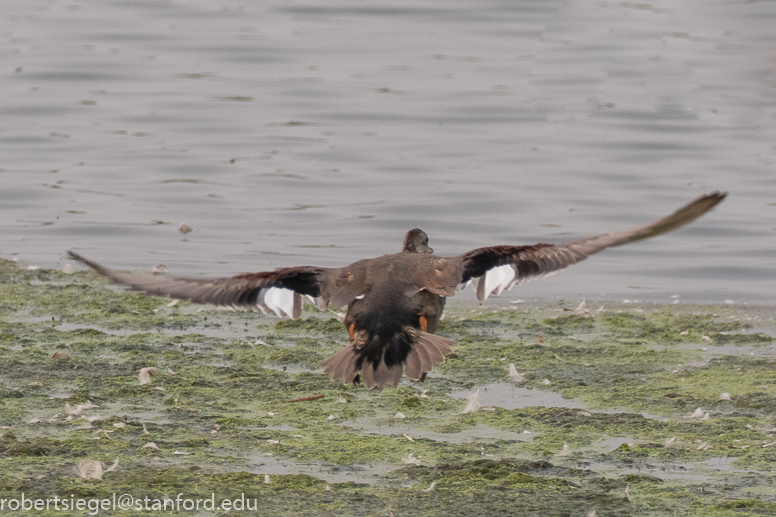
{"x": 427, "y": 350}
{"x": 342, "y": 365}
{"x": 381, "y": 376}
{"x": 352, "y": 363}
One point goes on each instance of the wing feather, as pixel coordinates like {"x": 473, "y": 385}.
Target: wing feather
{"x": 492, "y": 264}
{"x": 278, "y": 291}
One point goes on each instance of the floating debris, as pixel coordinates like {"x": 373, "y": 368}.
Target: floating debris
{"x": 173, "y": 303}
{"x": 91, "y": 470}
{"x": 514, "y": 376}
{"x": 474, "y": 404}
{"x": 160, "y": 269}
{"x": 120, "y": 425}
{"x": 150, "y": 445}
{"x": 399, "y": 415}
{"x": 114, "y": 466}
{"x": 724, "y": 396}
{"x": 184, "y": 229}
{"x": 333, "y": 417}
{"x": 627, "y": 492}
{"x": 581, "y": 310}
{"x": 670, "y": 443}
{"x": 430, "y": 487}
{"x": 145, "y": 374}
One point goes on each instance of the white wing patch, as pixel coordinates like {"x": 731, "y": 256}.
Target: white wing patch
{"x": 499, "y": 279}
{"x": 283, "y": 302}
{"x": 495, "y": 281}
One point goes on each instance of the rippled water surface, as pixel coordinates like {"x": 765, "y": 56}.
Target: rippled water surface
{"x": 312, "y": 132}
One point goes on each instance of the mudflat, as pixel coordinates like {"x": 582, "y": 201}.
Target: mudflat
{"x": 617, "y": 408}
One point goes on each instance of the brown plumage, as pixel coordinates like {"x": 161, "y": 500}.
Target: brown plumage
{"x": 394, "y": 301}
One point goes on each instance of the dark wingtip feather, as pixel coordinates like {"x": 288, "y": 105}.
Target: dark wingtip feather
{"x": 83, "y": 260}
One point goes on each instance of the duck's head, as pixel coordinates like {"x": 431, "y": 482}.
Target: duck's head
{"x": 416, "y": 241}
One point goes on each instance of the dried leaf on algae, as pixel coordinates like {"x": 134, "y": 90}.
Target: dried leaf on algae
{"x": 146, "y": 373}
{"x": 91, "y": 470}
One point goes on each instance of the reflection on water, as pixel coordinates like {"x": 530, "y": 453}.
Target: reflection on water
{"x": 289, "y": 134}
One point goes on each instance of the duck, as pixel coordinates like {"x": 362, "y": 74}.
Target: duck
{"x": 395, "y": 301}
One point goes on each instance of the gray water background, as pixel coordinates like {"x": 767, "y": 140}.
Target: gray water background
{"x": 318, "y": 132}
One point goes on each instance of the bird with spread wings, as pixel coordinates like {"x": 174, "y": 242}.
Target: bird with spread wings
{"x": 394, "y": 302}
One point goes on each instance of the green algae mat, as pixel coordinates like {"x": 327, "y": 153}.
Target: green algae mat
{"x": 117, "y": 403}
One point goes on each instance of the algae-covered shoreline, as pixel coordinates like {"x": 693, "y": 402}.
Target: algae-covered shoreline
{"x": 604, "y": 393}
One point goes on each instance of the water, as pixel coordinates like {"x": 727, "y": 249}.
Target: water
{"x": 289, "y": 133}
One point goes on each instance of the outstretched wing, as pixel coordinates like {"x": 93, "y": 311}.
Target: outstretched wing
{"x": 279, "y": 291}
{"x": 501, "y": 267}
